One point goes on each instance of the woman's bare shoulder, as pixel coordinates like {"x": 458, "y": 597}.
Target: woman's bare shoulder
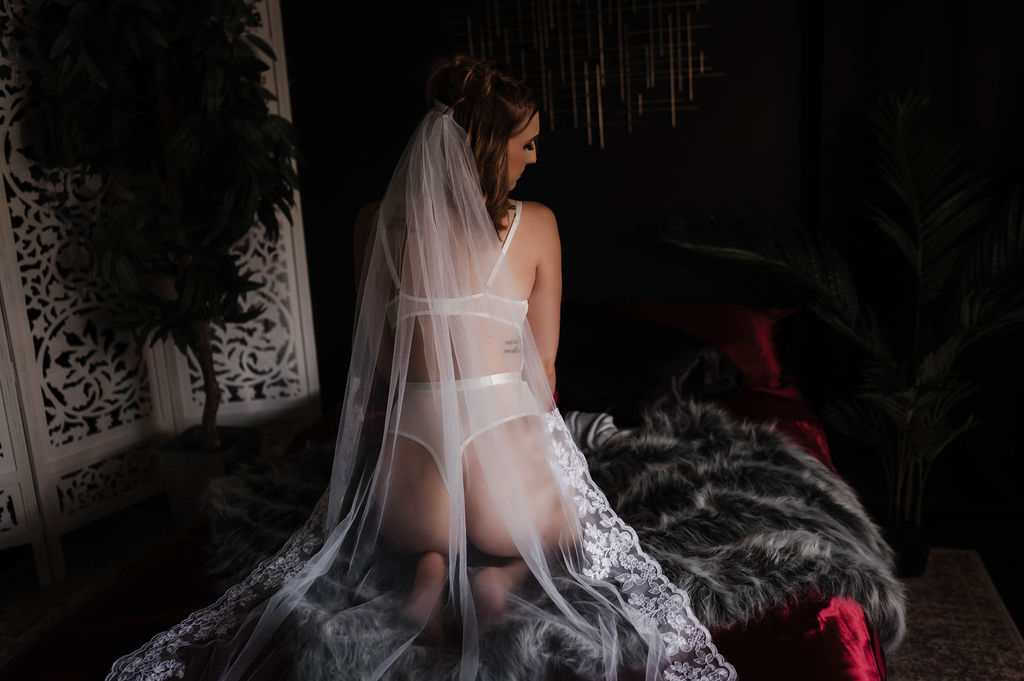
{"x": 535, "y": 211}
{"x": 539, "y": 221}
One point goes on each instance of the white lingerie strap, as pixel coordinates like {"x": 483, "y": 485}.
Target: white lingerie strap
{"x": 403, "y": 307}
{"x": 512, "y": 227}
{"x": 504, "y": 246}
{"x": 468, "y": 383}
{"x": 497, "y": 263}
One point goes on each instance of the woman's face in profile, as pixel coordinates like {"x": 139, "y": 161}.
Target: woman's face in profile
{"x": 522, "y": 150}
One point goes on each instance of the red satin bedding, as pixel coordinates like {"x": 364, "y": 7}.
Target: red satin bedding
{"x": 818, "y": 638}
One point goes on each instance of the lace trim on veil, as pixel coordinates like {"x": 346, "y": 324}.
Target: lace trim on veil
{"x": 613, "y": 549}
{"x": 156, "y": 661}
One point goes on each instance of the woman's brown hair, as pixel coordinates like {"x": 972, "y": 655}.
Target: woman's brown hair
{"x": 492, "y": 108}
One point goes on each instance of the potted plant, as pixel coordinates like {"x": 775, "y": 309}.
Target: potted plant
{"x": 151, "y": 116}
{"x": 910, "y": 402}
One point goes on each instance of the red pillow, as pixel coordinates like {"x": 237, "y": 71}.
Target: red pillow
{"x": 741, "y": 333}
{"x": 744, "y": 335}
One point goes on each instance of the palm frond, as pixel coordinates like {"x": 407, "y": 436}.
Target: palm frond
{"x": 861, "y": 422}
{"x": 809, "y": 261}
{"x": 895, "y": 231}
{"x": 989, "y": 311}
{"x": 897, "y": 406}
{"x": 990, "y": 295}
{"x": 934, "y": 403}
{"x": 937, "y": 366}
{"x": 881, "y": 376}
{"x": 995, "y": 259}
{"x": 936, "y": 201}
{"x": 1003, "y": 320}
{"x": 932, "y": 435}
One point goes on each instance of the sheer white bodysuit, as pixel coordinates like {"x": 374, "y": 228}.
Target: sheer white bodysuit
{"x": 497, "y": 398}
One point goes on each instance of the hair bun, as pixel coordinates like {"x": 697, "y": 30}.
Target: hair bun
{"x": 480, "y": 77}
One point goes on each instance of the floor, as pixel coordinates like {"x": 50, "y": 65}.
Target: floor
{"x": 957, "y": 625}
{"x": 992, "y": 534}
{"x": 94, "y": 555}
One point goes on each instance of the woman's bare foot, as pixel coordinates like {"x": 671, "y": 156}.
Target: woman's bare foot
{"x": 491, "y": 587}
{"x": 425, "y": 605}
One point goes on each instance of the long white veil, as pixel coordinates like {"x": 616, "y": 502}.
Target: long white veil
{"x": 449, "y": 441}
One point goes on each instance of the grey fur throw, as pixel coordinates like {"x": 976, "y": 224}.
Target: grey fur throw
{"x": 743, "y": 519}
{"x": 738, "y": 516}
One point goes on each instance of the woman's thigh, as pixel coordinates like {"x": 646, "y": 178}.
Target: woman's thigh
{"x": 507, "y": 468}
{"x": 414, "y": 499}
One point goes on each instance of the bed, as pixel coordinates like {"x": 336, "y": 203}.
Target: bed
{"x": 726, "y": 354}
{"x": 714, "y": 366}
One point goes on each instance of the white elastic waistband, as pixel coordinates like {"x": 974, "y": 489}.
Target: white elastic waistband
{"x": 468, "y": 383}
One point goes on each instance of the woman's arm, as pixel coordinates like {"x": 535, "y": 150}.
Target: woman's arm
{"x": 545, "y": 310}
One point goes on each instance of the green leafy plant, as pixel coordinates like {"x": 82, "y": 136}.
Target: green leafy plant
{"x": 161, "y": 153}
{"x": 964, "y": 264}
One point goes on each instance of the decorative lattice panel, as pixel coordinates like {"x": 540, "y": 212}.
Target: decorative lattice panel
{"x": 7, "y": 463}
{"x": 10, "y": 507}
{"x": 259, "y": 360}
{"x": 6, "y": 460}
{"x": 87, "y": 398}
{"x": 91, "y": 379}
{"x": 102, "y": 481}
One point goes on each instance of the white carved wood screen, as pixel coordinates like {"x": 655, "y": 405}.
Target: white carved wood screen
{"x": 80, "y": 407}
{"x": 20, "y": 522}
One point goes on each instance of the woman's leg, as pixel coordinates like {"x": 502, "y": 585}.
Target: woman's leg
{"x": 426, "y": 601}
{"x": 512, "y": 496}
{"x": 512, "y": 500}
{"x": 415, "y": 520}
{"x": 414, "y": 499}
{"x": 491, "y": 587}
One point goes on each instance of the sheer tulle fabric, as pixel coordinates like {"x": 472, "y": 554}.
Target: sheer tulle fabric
{"x": 449, "y": 442}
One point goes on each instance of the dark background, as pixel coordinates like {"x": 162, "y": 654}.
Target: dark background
{"x": 779, "y": 140}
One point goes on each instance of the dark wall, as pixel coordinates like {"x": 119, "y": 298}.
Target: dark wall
{"x": 964, "y": 56}
{"x": 356, "y": 76}
{"x": 967, "y": 56}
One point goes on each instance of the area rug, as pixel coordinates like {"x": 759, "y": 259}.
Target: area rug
{"x": 957, "y": 625}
